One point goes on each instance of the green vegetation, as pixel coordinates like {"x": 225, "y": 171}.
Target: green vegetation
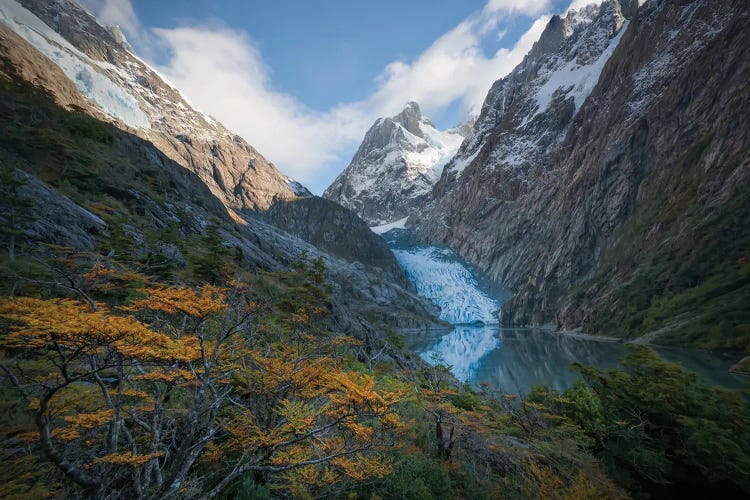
{"x": 681, "y": 265}
{"x": 659, "y": 431}
{"x": 16, "y": 214}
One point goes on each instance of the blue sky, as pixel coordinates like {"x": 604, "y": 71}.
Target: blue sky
{"x": 303, "y": 80}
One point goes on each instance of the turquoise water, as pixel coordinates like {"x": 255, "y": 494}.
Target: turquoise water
{"x": 515, "y": 360}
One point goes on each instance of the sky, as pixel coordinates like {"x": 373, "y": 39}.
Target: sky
{"x": 303, "y": 80}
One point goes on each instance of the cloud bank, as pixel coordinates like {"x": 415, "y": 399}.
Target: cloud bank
{"x": 223, "y": 73}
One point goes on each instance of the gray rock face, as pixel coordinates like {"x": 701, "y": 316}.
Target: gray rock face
{"x": 334, "y": 229}
{"x": 232, "y": 169}
{"x": 58, "y": 219}
{"x": 584, "y": 138}
{"x": 395, "y": 167}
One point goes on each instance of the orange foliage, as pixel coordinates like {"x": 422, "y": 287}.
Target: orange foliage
{"x": 205, "y": 301}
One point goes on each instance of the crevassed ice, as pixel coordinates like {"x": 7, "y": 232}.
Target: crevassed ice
{"x": 111, "y": 98}
{"x": 439, "y": 275}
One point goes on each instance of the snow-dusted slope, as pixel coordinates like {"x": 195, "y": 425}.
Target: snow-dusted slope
{"x": 398, "y": 162}
{"x": 443, "y": 278}
{"x": 527, "y": 112}
{"x": 83, "y": 71}
{"x": 118, "y": 84}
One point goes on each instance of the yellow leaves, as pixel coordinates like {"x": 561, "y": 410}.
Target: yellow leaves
{"x": 69, "y": 325}
{"x": 99, "y": 271}
{"x": 360, "y": 466}
{"x": 212, "y": 453}
{"x": 89, "y": 420}
{"x": 65, "y": 433}
{"x": 204, "y": 302}
{"x": 81, "y": 421}
{"x": 167, "y": 375}
{"x": 127, "y": 459}
{"x": 358, "y": 389}
{"x": 360, "y": 431}
{"x": 299, "y": 415}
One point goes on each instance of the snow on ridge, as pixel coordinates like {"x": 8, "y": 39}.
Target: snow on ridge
{"x": 79, "y": 68}
{"x": 576, "y": 80}
{"x": 431, "y": 152}
{"x": 439, "y": 275}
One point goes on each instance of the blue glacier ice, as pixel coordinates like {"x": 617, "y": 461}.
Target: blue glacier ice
{"x": 441, "y": 276}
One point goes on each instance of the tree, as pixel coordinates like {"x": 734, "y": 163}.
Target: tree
{"x": 210, "y": 260}
{"x": 16, "y": 214}
{"x": 658, "y": 428}
{"x": 183, "y": 384}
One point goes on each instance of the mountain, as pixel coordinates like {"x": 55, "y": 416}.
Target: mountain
{"x": 114, "y": 160}
{"x": 395, "y": 167}
{"x": 605, "y": 182}
{"x": 118, "y": 86}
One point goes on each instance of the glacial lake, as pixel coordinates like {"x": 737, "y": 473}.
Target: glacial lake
{"x": 515, "y": 360}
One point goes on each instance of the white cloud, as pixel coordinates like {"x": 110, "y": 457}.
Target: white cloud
{"x": 528, "y": 7}
{"x": 116, "y": 12}
{"x": 223, "y": 73}
{"x": 579, "y": 4}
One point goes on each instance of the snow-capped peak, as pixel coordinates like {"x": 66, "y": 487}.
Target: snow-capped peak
{"x": 398, "y": 162}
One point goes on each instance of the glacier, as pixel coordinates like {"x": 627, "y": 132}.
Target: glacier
{"x": 442, "y": 277}
{"x": 110, "y": 97}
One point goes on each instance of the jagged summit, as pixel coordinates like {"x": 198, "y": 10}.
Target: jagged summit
{"x": 410, "y": 118}
{"x": 395, "y": 167}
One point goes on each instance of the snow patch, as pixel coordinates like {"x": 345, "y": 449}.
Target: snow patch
{"x": 575, "y": 80}
{"x": 110, "y": 97}
{"x": 384, "y": 228}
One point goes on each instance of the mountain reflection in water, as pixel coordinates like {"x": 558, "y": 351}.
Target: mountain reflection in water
{"x": 515, "y": 360}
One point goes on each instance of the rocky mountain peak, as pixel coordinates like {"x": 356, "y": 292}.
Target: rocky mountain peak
{"x": 551, "y": 38}
{"x": 409, "y": 118}
{"x": 396, "y": 166}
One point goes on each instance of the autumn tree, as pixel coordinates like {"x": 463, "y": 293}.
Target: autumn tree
{"x": 183, "y": 391}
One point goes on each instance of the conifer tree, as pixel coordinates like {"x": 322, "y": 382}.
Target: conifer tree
{"x": 16, "y": 214}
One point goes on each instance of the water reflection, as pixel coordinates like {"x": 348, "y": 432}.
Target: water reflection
{"x": 463, "y": 350}
{"x": 516, "y": 360}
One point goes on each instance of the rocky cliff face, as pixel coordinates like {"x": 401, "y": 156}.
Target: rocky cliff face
{"x": 116, "y": 84}
{"x": 604, "y": 171}
{"x": 395, "y": 167}
{"x": 338, "y": 231}
{"x": 524, "y": 117}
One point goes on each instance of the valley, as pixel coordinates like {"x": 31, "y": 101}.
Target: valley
{"x": 544, "y": 292}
